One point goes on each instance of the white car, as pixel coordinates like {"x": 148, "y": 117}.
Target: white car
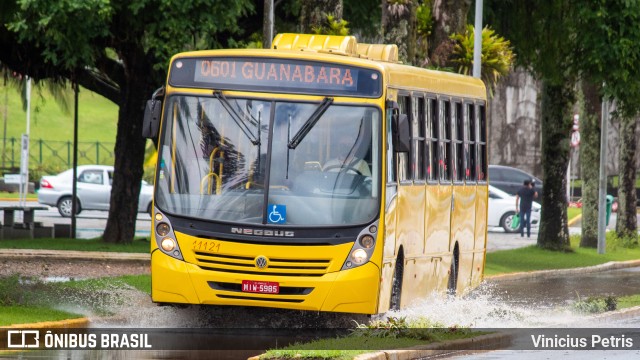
{"x": 502, "y": 207}
{"x": 93, "y": 190}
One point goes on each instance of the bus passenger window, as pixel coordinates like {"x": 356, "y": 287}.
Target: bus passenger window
{"x": 403, "y": 160}
{"x": 458, "y": 140}
{"x": 418, "y": 139}
{"x": 482, "y": 144}
{"x": 470, "y": 142}
{"x": 432, "y": 144}
{"x": 445, "y": 141}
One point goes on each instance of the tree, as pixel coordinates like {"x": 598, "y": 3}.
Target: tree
{"x": 449, "y": 17}
{"x": 314, "y": 14}
{"x": 496, "y": 59}
{"x": 398, "y": 27}
{"x": 541, "y": 32}
{"x": 608, "y": 59}
{"x": 119, "y": 49}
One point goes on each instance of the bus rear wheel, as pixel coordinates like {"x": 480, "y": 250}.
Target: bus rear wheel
{"x": 396, "y": 284}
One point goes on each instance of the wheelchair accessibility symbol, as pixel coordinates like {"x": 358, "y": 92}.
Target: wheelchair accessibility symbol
{"x": 277, "y": 214}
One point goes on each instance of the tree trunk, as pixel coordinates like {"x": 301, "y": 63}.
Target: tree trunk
{"x": 399, "y": 27}
{"x": 556, "y": 128}
{"x": 627, "y": 222}
{"x": 313, "y": 13}
{"x": 590, "y": 162}
{"x": 449, "y": 17}
{"x": 129, "y": 153}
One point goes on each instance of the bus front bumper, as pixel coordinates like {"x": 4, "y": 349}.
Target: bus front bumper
{"x": 350, "y": 291}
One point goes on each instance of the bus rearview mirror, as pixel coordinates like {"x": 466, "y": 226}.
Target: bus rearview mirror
{"x": 401, "y": 133}
{"x": 151, "y": 122}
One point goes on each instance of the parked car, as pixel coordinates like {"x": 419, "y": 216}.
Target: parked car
{"x": 510, "y": 179}
{"x": 502, "y": 208}
{"x": 93, "y": 190}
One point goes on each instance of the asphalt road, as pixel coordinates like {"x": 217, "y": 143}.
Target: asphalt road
{"x": 89, "y": 224}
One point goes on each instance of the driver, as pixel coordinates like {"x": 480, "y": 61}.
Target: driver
{"x": 346, "y": 159}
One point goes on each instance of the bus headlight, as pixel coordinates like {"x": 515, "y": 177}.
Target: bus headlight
{"x": 367, "y": 241}
{"x": 363, "y": 248}
{"x": 359, "y": 257}
{"x": 168, "y": 244}
{"x": 163, "y": 229}
{"x": 165, "y": 238}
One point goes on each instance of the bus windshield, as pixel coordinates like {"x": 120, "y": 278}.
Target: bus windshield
{"x": 231, "y": 160}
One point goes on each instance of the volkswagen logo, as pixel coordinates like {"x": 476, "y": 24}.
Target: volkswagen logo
{"x": 261, "y": 262}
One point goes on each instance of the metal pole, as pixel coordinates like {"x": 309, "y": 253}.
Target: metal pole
{"x": 569, "y": 179}
{"x": 74, "y": 190}
{"x": 267, "y": 27}
{"x": 602, "y": 221}
{"x": 477, "y": 40}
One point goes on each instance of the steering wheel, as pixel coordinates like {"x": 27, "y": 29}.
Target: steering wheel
{"x": 343, "y": 168}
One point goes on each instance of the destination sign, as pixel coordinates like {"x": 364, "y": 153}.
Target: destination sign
{"x": 276, "y": 75}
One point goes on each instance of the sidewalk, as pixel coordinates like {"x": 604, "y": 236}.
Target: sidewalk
{"x": 73, "y": 255}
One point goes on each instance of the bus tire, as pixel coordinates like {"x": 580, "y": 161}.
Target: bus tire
{"x": 396, "y": 284}
{"x": 452, "y": 285}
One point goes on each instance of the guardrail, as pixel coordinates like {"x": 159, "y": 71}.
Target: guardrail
{"x": 51, "y": 154}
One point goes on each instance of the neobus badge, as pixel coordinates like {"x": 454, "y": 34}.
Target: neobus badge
{"x": 260, "y": 232}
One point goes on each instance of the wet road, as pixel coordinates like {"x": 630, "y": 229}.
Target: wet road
{"x": 565, "y": 289}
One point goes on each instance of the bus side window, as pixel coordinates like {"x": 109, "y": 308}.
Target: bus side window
{"x": 482, "y": 143}
{"x": 458, "y": 156}
{"x": 445, "y": 141}
{"x": 432, "y": 143}
{"x": 470, "y": 142}
{"x": 418, "y": 138}
{"x": 403, "y": 160}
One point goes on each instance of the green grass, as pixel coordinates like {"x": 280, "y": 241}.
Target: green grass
{"x": 625, "y": 302}
{"x": 16, "y": 195}
{"x": 533, "y": 258}
{"x": 23, "y": 314}
{"x": 139, "y": 245}
{"x": 573, "y": 212}
{"x": 326, "y": 348}
{"x": 97, "y": 116}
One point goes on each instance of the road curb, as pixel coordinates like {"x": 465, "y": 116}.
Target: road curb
{"x": 612, "y": 265}
{"x": 73, "y": 255}
{"x": 483, "y": 342}
{"x": 60, "y": 324}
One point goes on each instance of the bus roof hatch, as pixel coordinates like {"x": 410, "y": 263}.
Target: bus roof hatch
{"x": 340, "y": 45}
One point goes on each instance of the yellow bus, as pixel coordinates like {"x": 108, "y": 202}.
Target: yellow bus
{"x": 320, "y": 174}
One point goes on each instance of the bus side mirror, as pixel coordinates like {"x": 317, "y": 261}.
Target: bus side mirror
{"x": 401, "y": 133}
{"x": 151, "y": 121}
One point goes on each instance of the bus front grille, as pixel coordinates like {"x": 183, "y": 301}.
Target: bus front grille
{"x": 275, "y": 266}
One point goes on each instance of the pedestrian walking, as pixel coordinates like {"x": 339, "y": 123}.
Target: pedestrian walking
{"x": 524, "y": 203}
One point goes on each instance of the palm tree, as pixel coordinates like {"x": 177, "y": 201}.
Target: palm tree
{"x": 497, "y": 55}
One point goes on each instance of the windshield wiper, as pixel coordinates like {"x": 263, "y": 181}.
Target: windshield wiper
{"x": 236, "y": 117}
{"x": 310, "y": 123}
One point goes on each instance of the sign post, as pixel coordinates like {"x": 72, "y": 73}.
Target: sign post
{"x": 575, "y": 142}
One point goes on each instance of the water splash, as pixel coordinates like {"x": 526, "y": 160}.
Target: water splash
{"x": 486, "y": 308}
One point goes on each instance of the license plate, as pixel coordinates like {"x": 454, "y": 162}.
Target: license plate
{"x": 263, "y": 287}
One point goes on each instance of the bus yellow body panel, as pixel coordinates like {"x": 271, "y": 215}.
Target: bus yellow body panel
{"x": 190, "y": 281}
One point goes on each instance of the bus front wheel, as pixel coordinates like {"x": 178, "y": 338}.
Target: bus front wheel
{"x": 396, "y": 284}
